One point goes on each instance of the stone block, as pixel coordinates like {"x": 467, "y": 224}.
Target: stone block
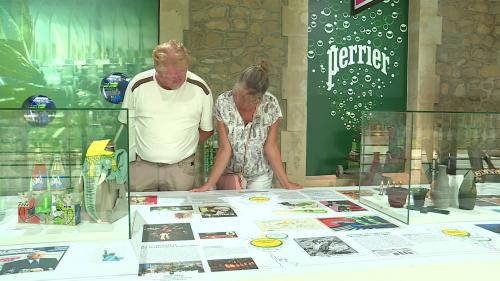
{"x": 240, "y": 24}
{"x": 259, "y": 14}
{"x": 272, "y": 5}
{"x": 214, "y": 39}
{"x": 483, "y": 28}
{"x": 480, "y": 7}
{"x": 459, "y": 91}
{"x": 490, "y": 71}
{"x": 294, "y": 21}
{"x": 294, "y": 84}
{"x": 217, "y": 12}
{"x": 296, "y": 115}
{"x": 222, "y": 25}
{"x": 233, "y": 43}
{"x": 443, "y": 69}
{"x": 445, "y": 88}
{"x": 239, "y": 12}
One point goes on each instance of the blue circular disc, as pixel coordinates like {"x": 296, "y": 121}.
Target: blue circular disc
{"x": 113, "y": 87}
{"x": 39, "y": 110}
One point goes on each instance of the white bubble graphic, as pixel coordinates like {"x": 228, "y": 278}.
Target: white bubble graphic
{"x": 346, "y": 24}
{"x": 403, "y": 27}
{"x": 368, "y": 32}
{"x": 309, "y": 29}
{"x": 329, "y": 28}
{"x": 389, "y": 34}
{"x": 380, "y": 34}
{"x": 331, "y": 40}
{"x": 394, "y": 15}
{"x": 399, "y": 39}
{"x": 372, "y": 15}
{"x": 320, "y": 43}
{"x": 350, "y": 92}
{"x": 313, "y": 24}
{"x": 379, "y": 12}
{"x": 310, "y": 54}
{"x": 396, "y": 64}
{"x": 314, "y": 16}
{"x": 326, "y": 11}
{"x": 354, "y": 79}
{"x": 374, "y": 29}
{"x": 333, "y": 113}
{"x": 363, "y": 18}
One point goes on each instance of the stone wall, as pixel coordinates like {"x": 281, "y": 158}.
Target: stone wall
{"x": 468, "y": 59}
{"x": 226, "y": 36}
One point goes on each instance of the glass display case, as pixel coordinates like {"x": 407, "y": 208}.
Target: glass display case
{"x": 63, "y": 175}
{"x": 428, "y": 167}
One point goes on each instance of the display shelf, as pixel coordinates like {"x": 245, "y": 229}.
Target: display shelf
{"x": 431, "y": 166}
{"x": 63, "y": 175}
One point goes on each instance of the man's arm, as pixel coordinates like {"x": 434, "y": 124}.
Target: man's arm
{"x": 204, "y": 135}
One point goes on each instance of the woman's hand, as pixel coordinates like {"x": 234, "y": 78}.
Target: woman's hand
{"x": 205, "y": 187}
{"x": 292, "y": 185}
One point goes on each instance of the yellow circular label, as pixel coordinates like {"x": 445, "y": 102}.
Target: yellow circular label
{"x": 266, "y": 243}
{"x": 456, "y": 232}
{"x": 259, "y": 199}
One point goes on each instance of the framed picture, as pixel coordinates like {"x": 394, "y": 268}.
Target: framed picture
{"x": 360, "y": 5}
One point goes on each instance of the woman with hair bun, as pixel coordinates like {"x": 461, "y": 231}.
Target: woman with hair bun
{"x": 248, "y": 120}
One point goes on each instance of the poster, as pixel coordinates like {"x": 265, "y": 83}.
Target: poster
{"x": 167, "y": 232}
{"x": 232, "y": 264}
{"x": 342, "y": 206}
{"x": 216, "y": 211}
{"x": 356, "y": 223}
{"x": 329, "y": 246}
{"x": 356, "y": 63}
{"x": 170, "y": 267}
{"x": 22, "y": 260}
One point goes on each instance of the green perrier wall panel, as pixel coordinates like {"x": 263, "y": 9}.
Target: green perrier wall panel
{"x": 356, "y": 63}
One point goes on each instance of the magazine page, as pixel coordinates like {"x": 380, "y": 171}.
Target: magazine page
{"x": 34, "y": 259}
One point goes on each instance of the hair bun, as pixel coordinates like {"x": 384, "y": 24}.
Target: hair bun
{"x": 264, "y": 65}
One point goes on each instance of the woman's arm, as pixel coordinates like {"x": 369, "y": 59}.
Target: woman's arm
{"x": 273, "y": 155}
{"x": 221, "y": 159}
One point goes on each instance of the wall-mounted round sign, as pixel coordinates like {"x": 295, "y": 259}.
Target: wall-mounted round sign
{"x": 113, "y": 87}
{"x": 39, "y": 110}
{"x": 266, "y": 243}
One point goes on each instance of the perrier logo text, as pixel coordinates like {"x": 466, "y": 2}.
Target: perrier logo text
{"x": 340, "y": 58}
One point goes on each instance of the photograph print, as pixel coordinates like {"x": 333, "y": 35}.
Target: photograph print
{"x": 167, "y": 232}
{"x": 330, "y": 246}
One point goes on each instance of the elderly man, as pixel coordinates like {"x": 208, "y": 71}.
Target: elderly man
{"x": 170, "y": 112}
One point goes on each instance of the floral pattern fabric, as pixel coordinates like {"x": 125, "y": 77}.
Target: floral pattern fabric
{"x": 268, "y": 111}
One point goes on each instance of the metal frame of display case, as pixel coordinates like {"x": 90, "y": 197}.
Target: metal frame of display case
{"x": 431, "y": 166}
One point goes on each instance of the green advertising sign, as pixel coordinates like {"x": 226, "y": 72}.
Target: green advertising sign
{"x": 63, "y": 49}
{"x": 356, "y": 63}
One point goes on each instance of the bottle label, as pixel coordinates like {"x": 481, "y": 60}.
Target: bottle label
{"x": 56, "y": 183}
{"x": 38, "y": 183}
